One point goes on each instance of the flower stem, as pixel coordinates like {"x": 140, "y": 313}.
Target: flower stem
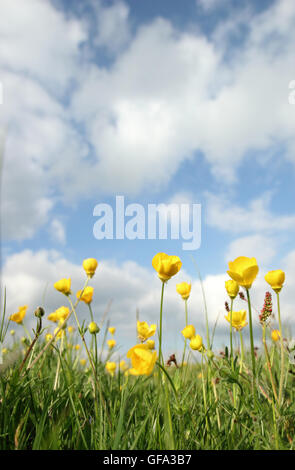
{"x": 47, "y": 345}
{"x": 231, "y": 333}
{"x": 269, "y": 364}
{"x": 27, "y": 332}
{"x": 161, "y": 321}
{"x": 282, "y": 351}
{"x": 55, "y": 386}
{"x": 82, "y": 337}
{"x": 242, "y": 351}
{"x": 186, "y": 322}
{"x": 252, "y": 350}
{"x": 204, "y": 394}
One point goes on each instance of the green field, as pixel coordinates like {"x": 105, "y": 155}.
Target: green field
{"x": 54, "y": 395}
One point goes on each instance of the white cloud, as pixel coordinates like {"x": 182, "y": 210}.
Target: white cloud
{"x": 57, "y": 231}
{"x": 161, "y": 101}
{"x": 157, "y": 103}
{"x": 113, "y": 30}
{"x": 39, "y": 40}
{"x": 41, "y": 155}
{"x": 257, "y": 217}
{"x": 209, "y": 5}
{"x": 259, "y": 246}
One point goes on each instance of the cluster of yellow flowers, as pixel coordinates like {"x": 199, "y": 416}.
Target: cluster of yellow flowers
{"x": 196, "y": 343}
{"x": 143, "y": 356}
{"x": 243, "y": 272}
{"x": 112, "y": 342}
{"x": 112, "y": 366}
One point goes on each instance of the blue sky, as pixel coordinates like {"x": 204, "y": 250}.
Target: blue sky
{"x": 161, "y": 102}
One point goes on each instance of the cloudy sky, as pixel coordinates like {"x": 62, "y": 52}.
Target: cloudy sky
{"x": 161, "y": 102}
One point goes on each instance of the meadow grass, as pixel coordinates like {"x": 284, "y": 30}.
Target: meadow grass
{"x": 55, "y": 396}
{"x": 130, "y": 412}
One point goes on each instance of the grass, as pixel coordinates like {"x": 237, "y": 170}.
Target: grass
{"x": 131, "y": 412}
{"x": 231, "y": 400}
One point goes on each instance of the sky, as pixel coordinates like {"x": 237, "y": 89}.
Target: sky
{"x": 159, "y": 102}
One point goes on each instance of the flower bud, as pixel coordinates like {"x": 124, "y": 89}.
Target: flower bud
{"x": 39, "y": 312}
{"x": 93, "y": 328}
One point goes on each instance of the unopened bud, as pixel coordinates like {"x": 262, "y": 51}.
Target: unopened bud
{"x": 39, "y": 312}
{"x": 93, "y": 328}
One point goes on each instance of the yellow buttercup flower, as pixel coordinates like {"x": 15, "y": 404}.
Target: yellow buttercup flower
{"x": 196, "y": 343}
{"x": 87, "y": 294}
{"x": 184, "y": 289}
{"x": 150, "y": 343}
{"x": 232, "y": 288}
{"x": 63, "y": 286}
{"x": 90, "y": 265}
{"x": 60, "y": 333}
{"x": 275, "y": 279}
{"x": 4, "y": 351}
{"x": 83, "y": 362}
{"x": 60, "y": 315}
{"x": 142, "y": 359}
{"x": 145, "y": 331}
{"x": 77, "y": 347}
{"x": 123, "y": 366}
{"x": 111, "y": 368}
{"x": 166, "y": 265}
{"x": 20, "y": 315}
{"x": 238, "y": 319}
{"x": 71, "y": 329}
{"x": 275, "y": 335}
{"x": 48, "y": 337}
{"x": 189, "y": 331}
{"x": 12, "y": 332}
{"x": 243, "y": 270}
{"x": 53, "y": 317}
{"x": 111, "y": 343}
{"x": 112, "y": 330}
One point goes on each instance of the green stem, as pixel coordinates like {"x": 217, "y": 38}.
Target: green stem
{"x": 282, "y": 351}
{"x": 91, "y": 313}
{"x": 268, "y": 363}
{"x": 95, "y": 356}
{"x": 48, "y": 344}
{"x": 92, "y": 320}
{"x": 82, "y": 336}
{"x": 161, "y": 321}
{"x": 27, "y": 332}
{"x": 186, "y": 322}
{"x": 242, "y": 351}
{"x": 252, "y": 350}
{"x": 171, "y": 442}
{"x": 275, "y": 425}
{"x": 55, "y": 386}
{"x": 231, "y": 333}
{"x": 204, "y": 394}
